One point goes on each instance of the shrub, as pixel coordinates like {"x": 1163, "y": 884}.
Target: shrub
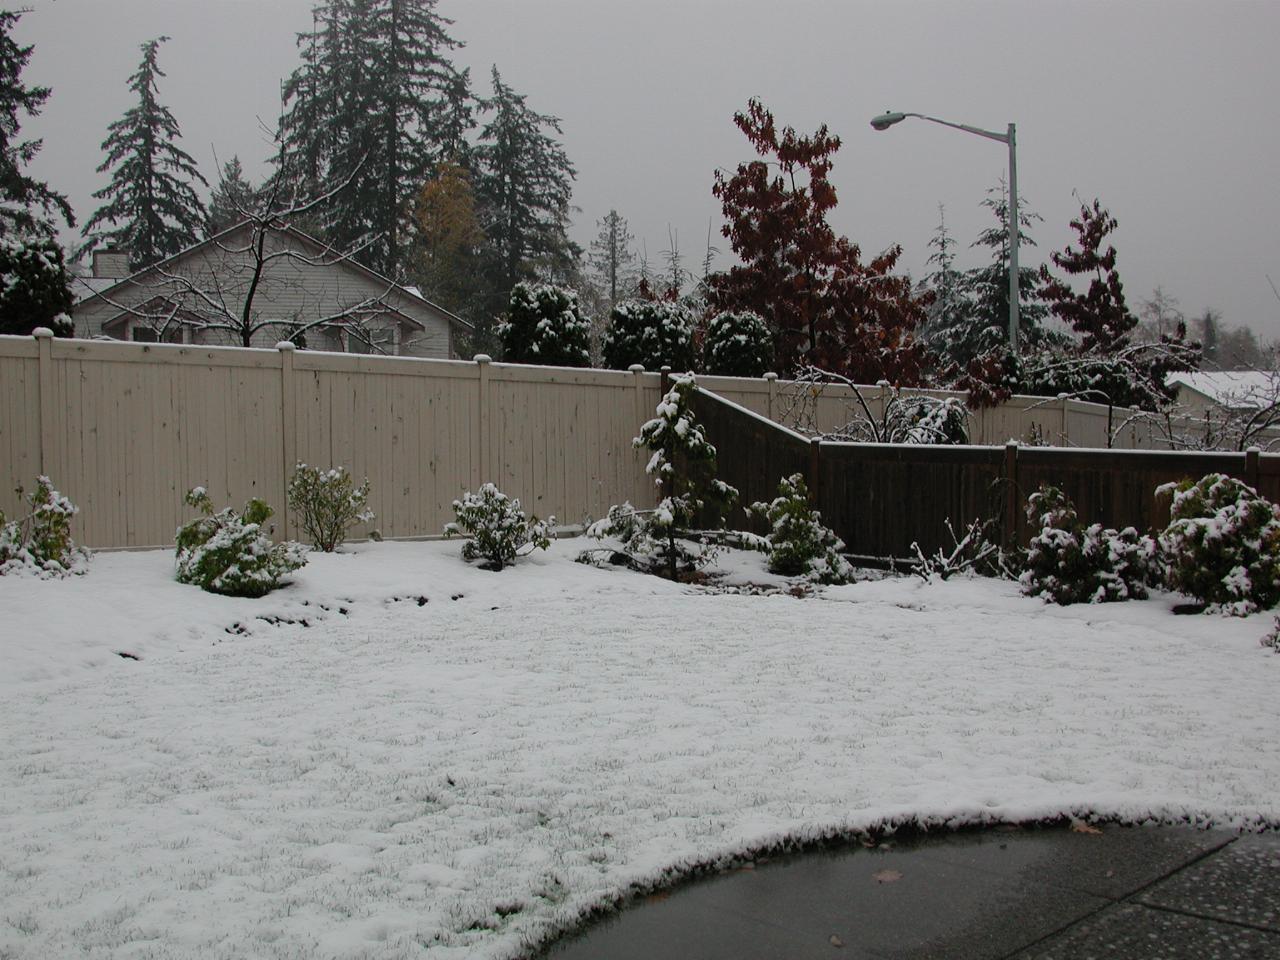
{"x": 1068, "y": 562}
{"x": 40, "y": 543}
{"x": 497, "y": 529}
{"x": 227, "y": 552}
{"x": 328, "y": 504}
{"x": 544, "y": 326}
{"x": 737, "y": 345}
{"x": 1272, "y": 639}
{"x": 654, "y": 333}
{"x": 1222, "y": 545}
{"x": 798, "y": 543}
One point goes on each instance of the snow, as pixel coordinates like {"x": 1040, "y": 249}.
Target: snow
{"x": 454, "y": 763}
{"x": 1237, "y": 389}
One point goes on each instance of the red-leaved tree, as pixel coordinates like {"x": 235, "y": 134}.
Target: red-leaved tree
{"x": 825, "y": 306}
{"x": 1099, "y": 314}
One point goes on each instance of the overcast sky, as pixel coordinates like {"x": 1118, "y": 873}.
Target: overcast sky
{"x": 1167, "y": 111}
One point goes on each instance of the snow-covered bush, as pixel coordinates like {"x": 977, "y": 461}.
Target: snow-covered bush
{"x": 798, "y": 543}
{"x": 1068, "y": 562}
{"x": 497, "y": 528}
{"x": 932, "y": 420}
{"x": 737, "y": 345}
{"x": 1222, "y": 545}
{"x": 228, "y": 552}
{"x": 40, "y": 543}
{"x": 544, "y": 326}
{"x": 328, "y": 504}
{"x": 654, "y": 333}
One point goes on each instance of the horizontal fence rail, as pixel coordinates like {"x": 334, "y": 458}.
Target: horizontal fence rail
{"x": 882, "y": 498}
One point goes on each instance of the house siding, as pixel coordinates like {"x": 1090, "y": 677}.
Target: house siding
{"x": 290, "y": 291}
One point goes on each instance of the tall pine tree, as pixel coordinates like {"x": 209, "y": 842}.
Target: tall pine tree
{"x": 376, "y": 105}
{"x": 611, "y": 255}
{"x": 524, "y": 181}
{"x": 987, "y": 326}
{"x": 233, "y": 198}
{"x": 951, "y": 308}
{"x": 151, "y": 205}
{"x": 26, "y": 204}
{"x": 34, "y": 289}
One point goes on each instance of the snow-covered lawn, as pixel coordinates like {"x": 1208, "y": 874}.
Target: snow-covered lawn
{"x": 472, "y": 766}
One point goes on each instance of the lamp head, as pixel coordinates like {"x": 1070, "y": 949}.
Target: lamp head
{"x": 887, "y": 120}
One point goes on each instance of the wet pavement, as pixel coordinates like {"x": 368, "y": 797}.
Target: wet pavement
{"x": 1121, "y": 893}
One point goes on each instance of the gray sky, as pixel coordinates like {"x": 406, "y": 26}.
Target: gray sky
{"x": 1167, "y": 111}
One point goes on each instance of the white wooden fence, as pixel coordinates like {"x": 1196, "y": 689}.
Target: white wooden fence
{"x": 125, "y": 429}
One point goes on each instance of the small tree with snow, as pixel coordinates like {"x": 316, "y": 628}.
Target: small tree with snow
{"x": 496, "y": 528}
{"x": 653, "y": 333}
{"x": 229, "y": 553}
{"x": 738, "y": 344}
{"x": 1068, "y": 562}
{"x": 328, "y": 504}
{"x": 545, "y": 326}
{"x": 1222, "y": 545}
{"x": 683, "y": 466}
{"x": 798, "y": 543}
{"x": 40, "y": 543}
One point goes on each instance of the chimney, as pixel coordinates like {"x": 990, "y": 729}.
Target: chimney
{"x": 111, "y": 264}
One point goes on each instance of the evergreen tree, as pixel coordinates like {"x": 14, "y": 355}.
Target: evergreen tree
{"x": 544, "y": 326}
{"x": 150, "y": 201}
{"x": 737, "y": 345}
{"x": 232, "y": 198}
{"x": 950, "y": 312}
{"x": 34, "y": 290}
{"x": 1210, "y": 330}
{"x": 653, "y": 333}
{"x": 524, "y": 180}
{"x": 986, "y": 327}
{"x": 375, "y": 105}
{"x": 611, "y": 255}
{"x": 26, "y": 204}
{"x": 1099, "y": 315}
{"x": 33, "y": 284}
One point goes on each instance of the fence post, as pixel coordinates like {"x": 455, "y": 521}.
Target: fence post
{"x": 637, "y": 370}
{"x": 44, "y": 340}
{"x": 815, "y": 466}
{"x": 482, "y": 363}
{"x": 666, "y": 379}
{"x": 1011, "y": 494}
{"x": 288, "y": 430}
{"x": 1253, "y": 467}
{"x": 772, "y": 380}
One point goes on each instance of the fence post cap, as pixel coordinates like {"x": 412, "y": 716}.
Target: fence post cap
{"x": 815, "y": 441}
{"x": 771, "y": 376}
{"x": 286, "y": 345}
{"x": 1011, "y": 444}
{"x": 636, "y": 368}
{"x": 42, "y": 333}
{"x": 1255, "y": 450}
{"x": 665, "y": 368}
{"x": 482, "y": 358}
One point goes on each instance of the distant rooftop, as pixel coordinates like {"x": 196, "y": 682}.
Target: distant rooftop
{"x": 1232, "y": 388}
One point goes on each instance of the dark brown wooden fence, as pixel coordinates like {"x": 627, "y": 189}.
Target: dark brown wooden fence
{"x": 880, "y": 498}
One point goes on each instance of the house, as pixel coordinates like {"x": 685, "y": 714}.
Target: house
{"x": 256, "y": 284}
{"x": 1236, "y": 391}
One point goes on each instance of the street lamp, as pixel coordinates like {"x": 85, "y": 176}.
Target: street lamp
{"x": 889, "y": 118}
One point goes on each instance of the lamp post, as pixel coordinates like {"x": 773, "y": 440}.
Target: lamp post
{"x": 889, "y": 118}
